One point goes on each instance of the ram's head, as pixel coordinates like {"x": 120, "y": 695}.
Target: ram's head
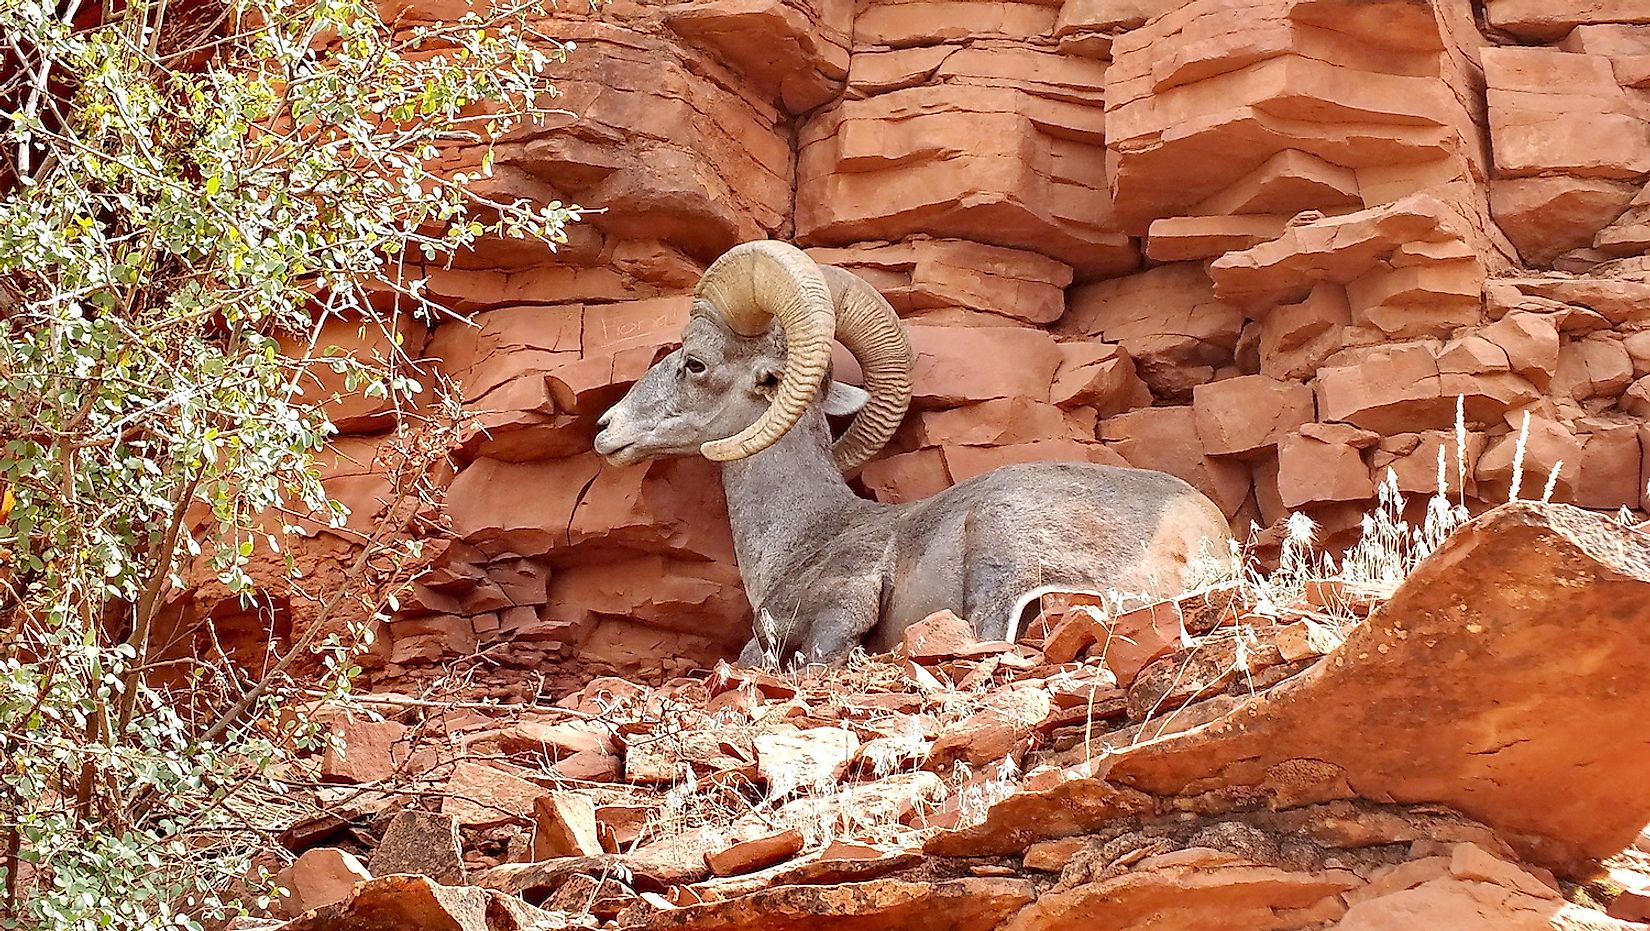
{"x": 755, "y": 354}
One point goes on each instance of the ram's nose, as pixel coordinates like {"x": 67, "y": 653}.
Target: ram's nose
{"x": 609, "y": 440}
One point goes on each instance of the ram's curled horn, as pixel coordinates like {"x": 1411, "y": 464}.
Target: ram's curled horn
{"x": 751, "y": 285}
{"x": 868, "y": 327}
{"x": 755, "y": 283}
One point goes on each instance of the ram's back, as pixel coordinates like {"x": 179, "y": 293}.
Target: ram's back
{"x": 1047, "y": 524}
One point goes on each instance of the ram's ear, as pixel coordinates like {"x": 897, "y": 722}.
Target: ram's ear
{"x": 843, "y": 400}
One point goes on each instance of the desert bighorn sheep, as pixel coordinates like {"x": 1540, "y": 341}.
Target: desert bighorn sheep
{"x": 750, "y": 387}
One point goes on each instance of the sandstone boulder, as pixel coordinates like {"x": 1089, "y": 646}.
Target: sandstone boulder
{"x": 1389, "y": 390}
{"x": 1550, "y": 448}
{"x": 1205, "y": 98}
{"x": 1515, "y": 774}
{"x": 757, "y": 853}
{"x": 960, "y": 365}
{"x": 999, "y": 158}
{"x": 791, "y": 51}
{"x": 935, "y": 274}
{"x": 941, "y": 635}
{"x": 1547, "y": 216}
{"x": 1098, "y": 375}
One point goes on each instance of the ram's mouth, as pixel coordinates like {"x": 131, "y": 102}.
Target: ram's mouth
{"x": 616, "y": 452}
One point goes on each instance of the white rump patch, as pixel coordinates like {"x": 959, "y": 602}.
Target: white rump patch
{"x": 1035, "y": 594}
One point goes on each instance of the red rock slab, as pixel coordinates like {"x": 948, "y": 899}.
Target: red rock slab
{"x": 371, "y": 750}
{"x": 1338, "y": 249}
{"x": 1054, "y": 805}
{"x": 1548, "y": 216}
{"x": 1100, "y": 375}
{"x": 755, "y": 854}
{"x": 1182, "y": 239}
{"x": 1135, "y": 639}
{"x": 565, "y": 826}
{"x": 1468, "y": 891}
{"x": 674, "y": 860}
{"x": 1617, "y": 300}
{"x": 1313, "y": 472}
{"x": 319, "y": 877}
{"x": 973, "y": 904}
{"x": 941, "y": 635}
{"x": 929, "y": 274}
{"x": 1249, "y": 414}
{"x": 911, "y": 24}
{"x": 479, "y": 795}
{"x": 1287, "y": 183}
{"x": 1296, "y": 338}
{"x": 1202, "y": 96}
{"x": 993, "y": 164}
{"x": 1166, "y": 318}
{"x": 1538, "y": 20}
{"x": 1194, "y": 888}
{"x": 1553, "y": 111}
{"x": 1000, "y": 422}
{"x": 786, "y": 53}
{"x": 841, "y": 862}
{"x": 993, "y": 733}
{"x": 964, "y": 365}
{"x": 1547, "y": 443}
{"x": 1505, "y": 679}
{"x": 814, "y": 758}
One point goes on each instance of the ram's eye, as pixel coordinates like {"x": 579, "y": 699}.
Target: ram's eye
{"x": 694, "y": 366}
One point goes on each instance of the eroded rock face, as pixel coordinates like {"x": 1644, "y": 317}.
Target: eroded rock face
{"x": 1265, "y": 247}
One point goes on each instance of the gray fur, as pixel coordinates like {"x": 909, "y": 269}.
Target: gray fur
{"x": 835, "y": 571}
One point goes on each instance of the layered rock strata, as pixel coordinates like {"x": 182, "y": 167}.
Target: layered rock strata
{"x": 1272, "y": 248}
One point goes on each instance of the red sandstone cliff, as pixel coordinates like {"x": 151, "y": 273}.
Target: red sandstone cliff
{"x": 1262, "y": 245}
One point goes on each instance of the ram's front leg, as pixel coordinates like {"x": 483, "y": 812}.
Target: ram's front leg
{"x": 833, "y": 638}
{"x": 827, "y": 636}
{"x": 840, "y": 627}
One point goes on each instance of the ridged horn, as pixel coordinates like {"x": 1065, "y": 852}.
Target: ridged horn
{"x": 867, "y": 325}
{"x": 749, "y": 287}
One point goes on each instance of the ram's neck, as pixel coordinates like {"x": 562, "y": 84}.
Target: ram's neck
{"x": 785, "y": 501}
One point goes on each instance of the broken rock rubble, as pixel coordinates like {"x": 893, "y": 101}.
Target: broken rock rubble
{"x": 1055, "y": 791}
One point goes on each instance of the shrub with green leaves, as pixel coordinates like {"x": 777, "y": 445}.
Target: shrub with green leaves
{"x": 186, "y": 186}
